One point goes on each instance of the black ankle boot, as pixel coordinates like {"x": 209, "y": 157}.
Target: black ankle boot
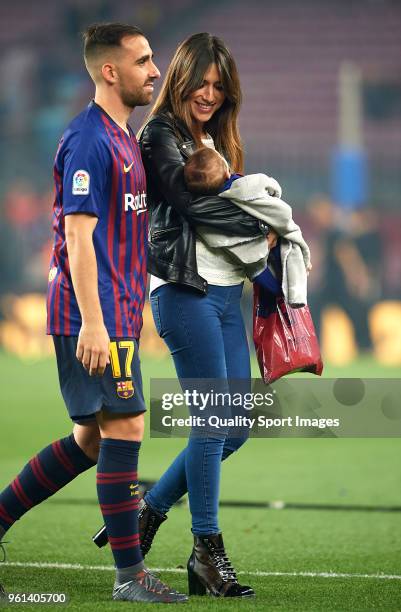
{"x": 149, "y": 522}
{"x": 210, "y": 570}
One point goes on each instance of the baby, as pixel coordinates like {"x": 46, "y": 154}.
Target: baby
{"x": 206, "y": 172}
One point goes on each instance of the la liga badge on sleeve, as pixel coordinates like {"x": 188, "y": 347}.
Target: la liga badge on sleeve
{"x": 80, "y": 182}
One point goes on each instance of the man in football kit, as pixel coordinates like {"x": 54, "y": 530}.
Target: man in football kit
{"x": 96, "y": 292}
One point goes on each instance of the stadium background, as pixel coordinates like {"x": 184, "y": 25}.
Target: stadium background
{"x": 322, "y": 114}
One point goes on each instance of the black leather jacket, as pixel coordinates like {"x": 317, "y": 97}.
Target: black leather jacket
{"x": 174, "y": 212}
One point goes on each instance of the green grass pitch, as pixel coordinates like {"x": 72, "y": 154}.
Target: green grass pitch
{"x": 295, "y": 559}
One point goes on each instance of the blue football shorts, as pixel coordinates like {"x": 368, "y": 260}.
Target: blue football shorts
{"x": 118, "y": 391}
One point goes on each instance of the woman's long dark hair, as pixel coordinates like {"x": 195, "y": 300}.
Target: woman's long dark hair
{"x": 186, "y": 73}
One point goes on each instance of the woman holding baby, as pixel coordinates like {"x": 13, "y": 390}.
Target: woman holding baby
{"x": 195, "y": 291}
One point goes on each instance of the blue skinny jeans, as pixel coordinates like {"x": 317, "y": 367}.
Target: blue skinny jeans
{"x": 207, "y": 340}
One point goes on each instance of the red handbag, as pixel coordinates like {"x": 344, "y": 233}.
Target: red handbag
{"x": 285, "y": 338}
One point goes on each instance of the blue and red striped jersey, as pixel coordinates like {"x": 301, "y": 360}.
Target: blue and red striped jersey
{"x": 98, "y": 171}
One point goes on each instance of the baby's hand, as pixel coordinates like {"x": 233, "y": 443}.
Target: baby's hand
{"x": 308, "y": 268}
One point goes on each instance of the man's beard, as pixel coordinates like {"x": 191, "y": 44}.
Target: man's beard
{"x": 139, "y": 97}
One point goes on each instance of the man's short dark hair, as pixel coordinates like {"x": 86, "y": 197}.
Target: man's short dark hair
{"x": 101, "y": 36}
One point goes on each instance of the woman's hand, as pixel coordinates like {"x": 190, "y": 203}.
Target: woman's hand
{"x": 272, "y": 239}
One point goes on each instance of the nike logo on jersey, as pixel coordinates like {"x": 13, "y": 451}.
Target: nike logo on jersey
{"x": 128, "y": 168}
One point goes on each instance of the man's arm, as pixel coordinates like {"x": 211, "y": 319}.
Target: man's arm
{"x": 93, "y": 340}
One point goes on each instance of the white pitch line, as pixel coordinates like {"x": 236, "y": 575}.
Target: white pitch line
{"x": 176, "y": 570}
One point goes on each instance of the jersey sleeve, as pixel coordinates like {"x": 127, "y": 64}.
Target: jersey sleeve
{"x": 85, "y": 175}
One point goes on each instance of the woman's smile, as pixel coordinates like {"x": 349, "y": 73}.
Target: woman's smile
{"x": 206, "y": 100}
